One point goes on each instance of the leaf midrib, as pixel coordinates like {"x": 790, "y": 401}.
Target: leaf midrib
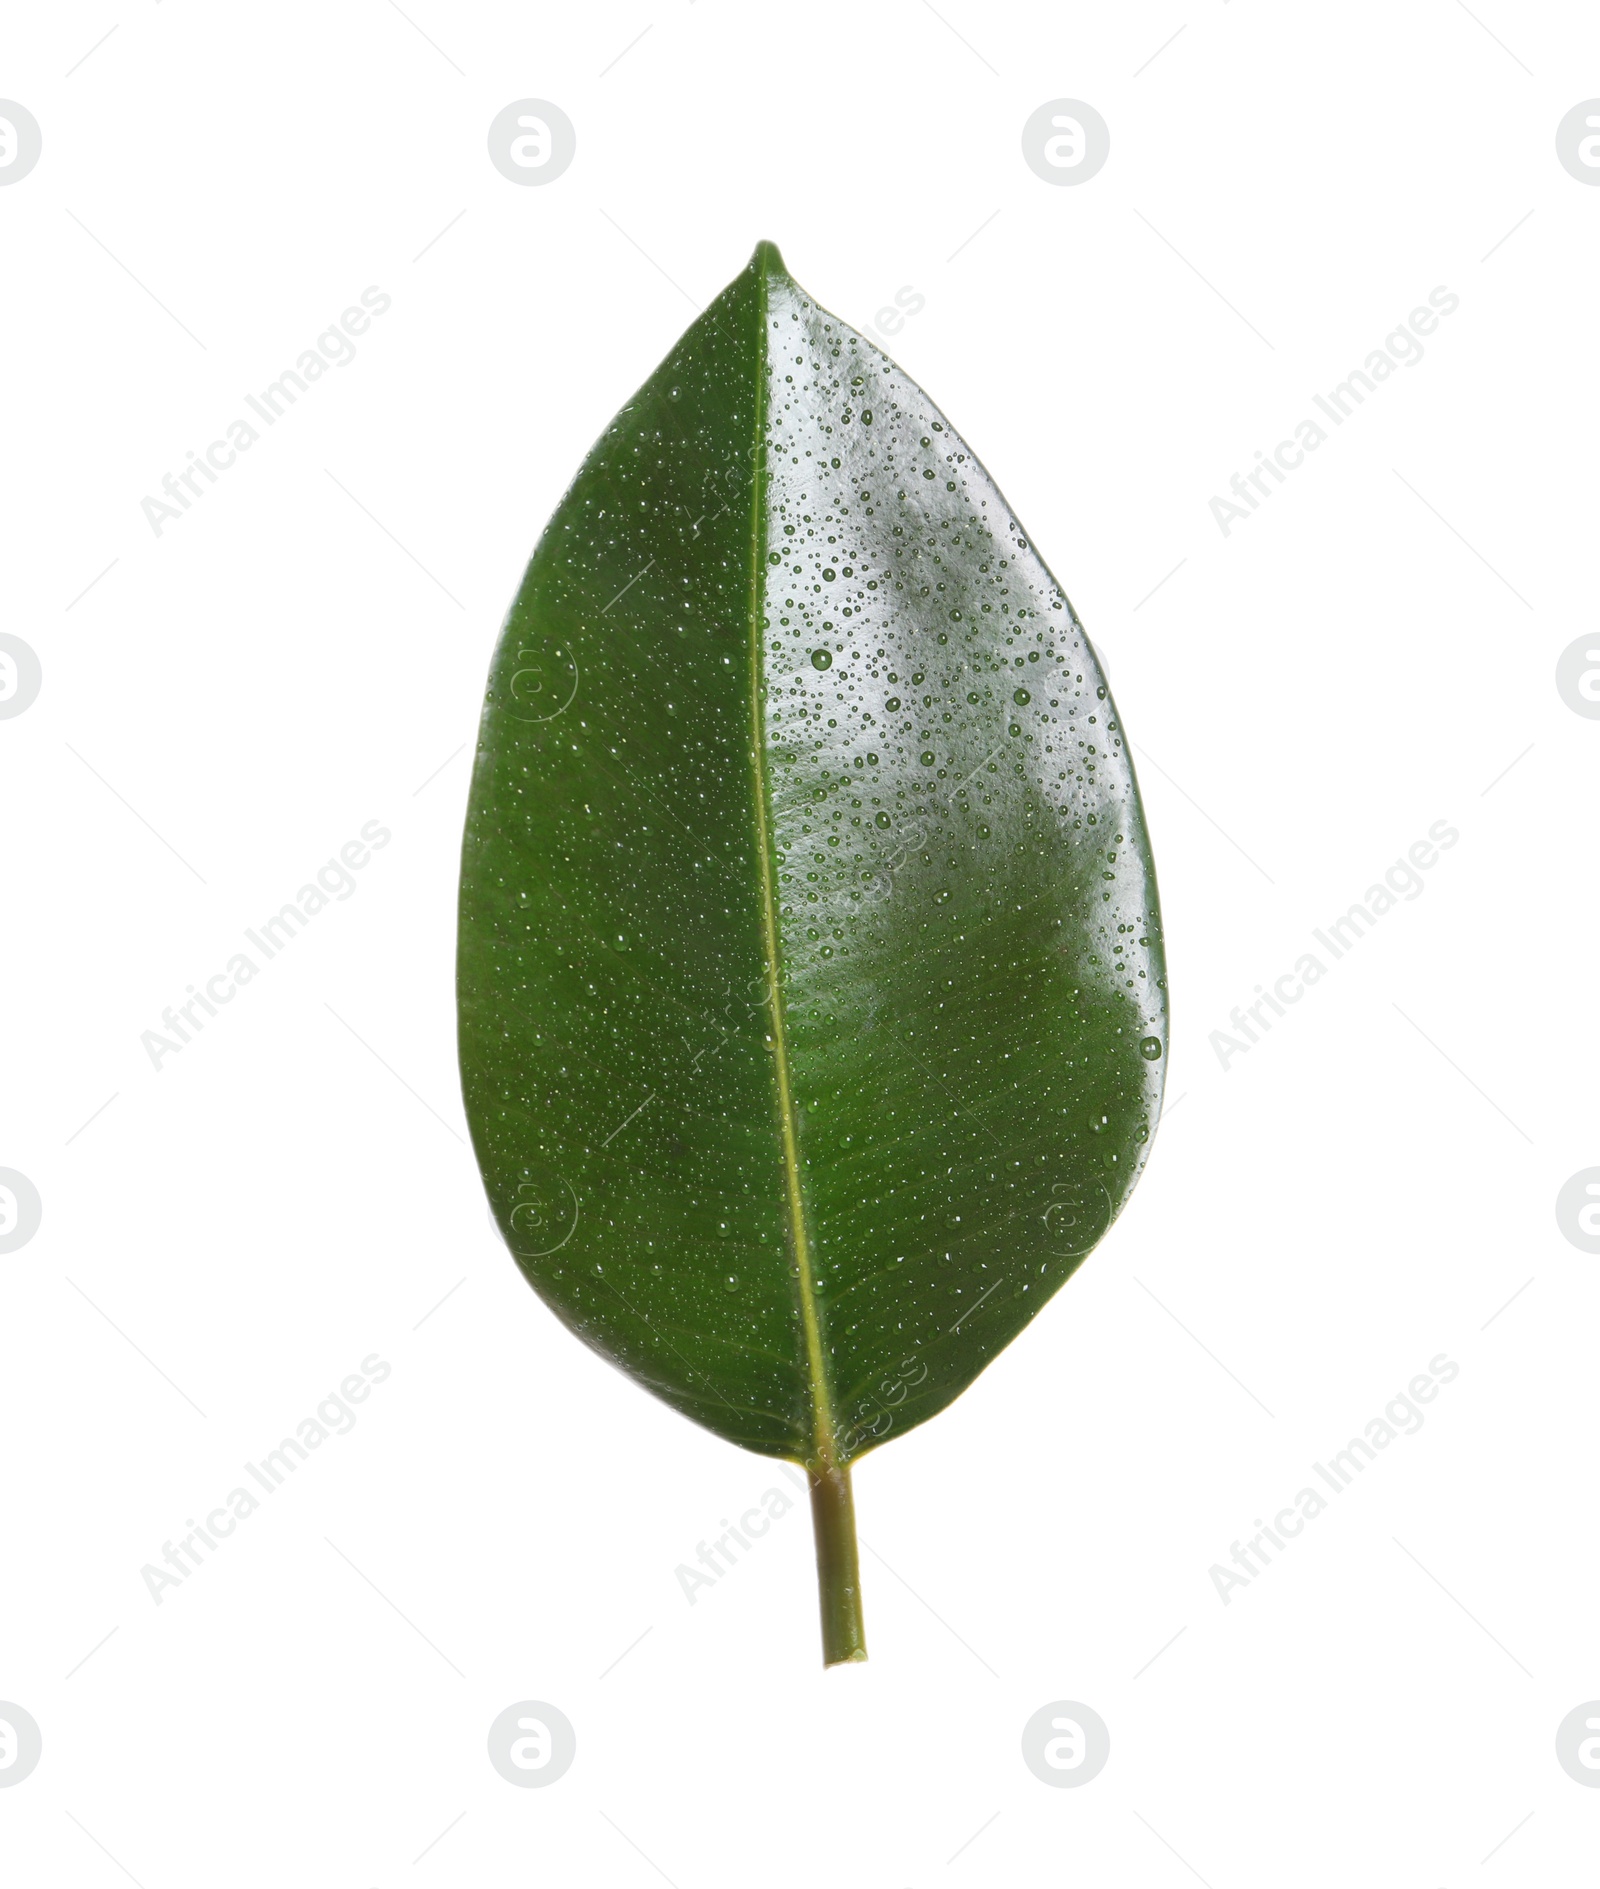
{"x": 823, "y": 1438}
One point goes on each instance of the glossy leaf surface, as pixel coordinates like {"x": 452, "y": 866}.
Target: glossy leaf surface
{"x": 812, "y": 1004}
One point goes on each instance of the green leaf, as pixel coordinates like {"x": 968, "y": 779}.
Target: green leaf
{"x": 812, "y": 1005}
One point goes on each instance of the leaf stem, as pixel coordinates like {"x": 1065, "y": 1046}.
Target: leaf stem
{"x": 833, "y": 1516}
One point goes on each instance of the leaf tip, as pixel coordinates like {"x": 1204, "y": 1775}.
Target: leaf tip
{"x": 766, "y": 260}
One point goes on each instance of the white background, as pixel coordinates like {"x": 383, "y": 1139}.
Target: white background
{"x": 1364, "y": 1189}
